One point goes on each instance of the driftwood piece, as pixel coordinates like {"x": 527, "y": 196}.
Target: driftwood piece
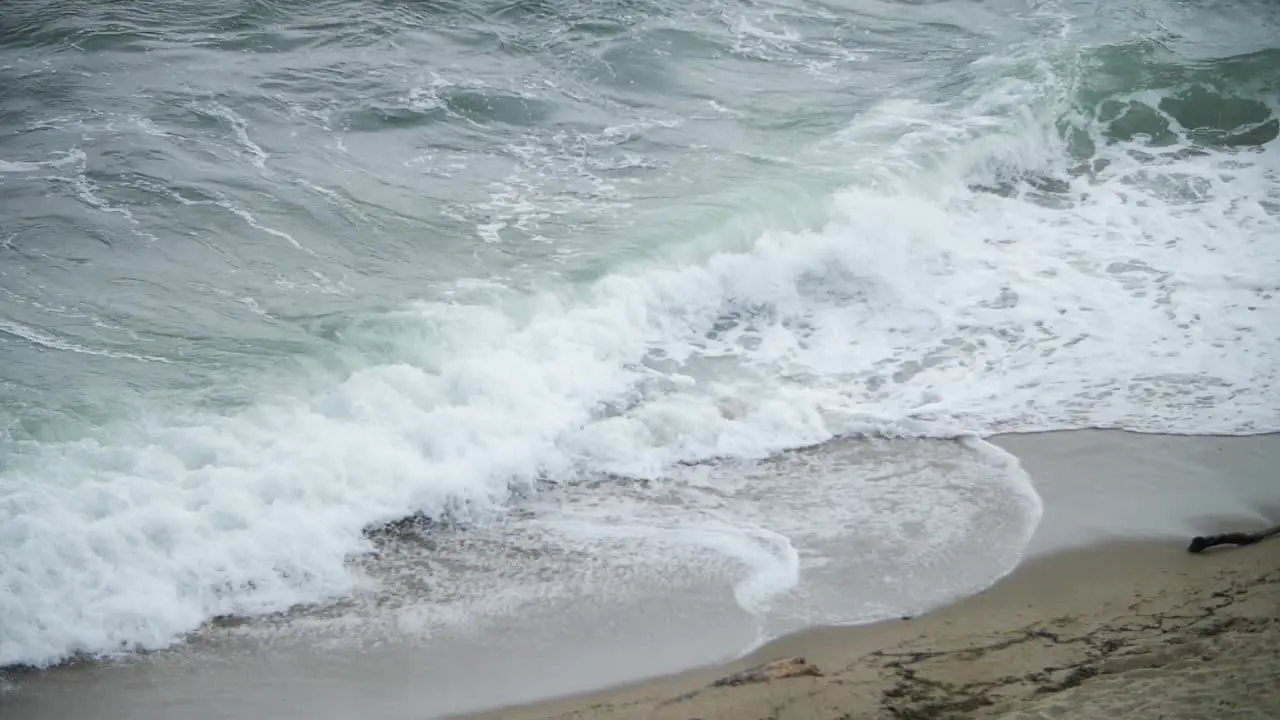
{"x": 1201, "y": 543}
{"x": 776, "y": 670}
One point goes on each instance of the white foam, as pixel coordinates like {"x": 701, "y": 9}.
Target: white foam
{"x": 554, "y": 173}
{"x": 930, "y": 521}
{"x": 9, "y": 166}
{"x": 52, "y": 342}
{"x": 73, "y": 157}
{"x": 255, "y": 224}
{"x": 240, "y": 129}
{"x": 85, "y": 190}
{"x": 855, "y": 531}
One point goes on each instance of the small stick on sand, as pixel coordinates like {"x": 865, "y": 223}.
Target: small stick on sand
{"x": 776, "y": 670}
{"x": 1200, "y": 543}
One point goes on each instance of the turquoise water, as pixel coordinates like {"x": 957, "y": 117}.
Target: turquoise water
{"x": 274, "y": 274}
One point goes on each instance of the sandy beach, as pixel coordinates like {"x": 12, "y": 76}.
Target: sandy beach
{"x": 1135, "y": 629}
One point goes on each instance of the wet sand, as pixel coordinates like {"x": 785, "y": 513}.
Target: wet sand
{"x": 1102, "y": 485}
{"x": 1128, "y": 629}
{"x": 1119, "y": 508}
{"x": 1108, "y": 617}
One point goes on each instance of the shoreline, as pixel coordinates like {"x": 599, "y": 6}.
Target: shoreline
{"x": 1024, "y": 446}
{"x": 1153, "y": 488}
{"x": 1073, "y": 629}
{"x": 1059, "y": 462}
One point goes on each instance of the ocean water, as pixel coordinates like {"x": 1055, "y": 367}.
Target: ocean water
{"x": 388, "y": 319}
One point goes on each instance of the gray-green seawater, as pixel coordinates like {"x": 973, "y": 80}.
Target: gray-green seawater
{"x": 572, "y": 274}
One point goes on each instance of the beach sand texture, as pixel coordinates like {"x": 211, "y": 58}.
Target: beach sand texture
{"x": 1137, "y": 629}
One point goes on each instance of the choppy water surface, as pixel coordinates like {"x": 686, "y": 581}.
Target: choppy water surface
{"x": 608, "y": 296}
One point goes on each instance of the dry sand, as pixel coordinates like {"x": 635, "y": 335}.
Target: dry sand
{"x": 1128, "y": 629}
